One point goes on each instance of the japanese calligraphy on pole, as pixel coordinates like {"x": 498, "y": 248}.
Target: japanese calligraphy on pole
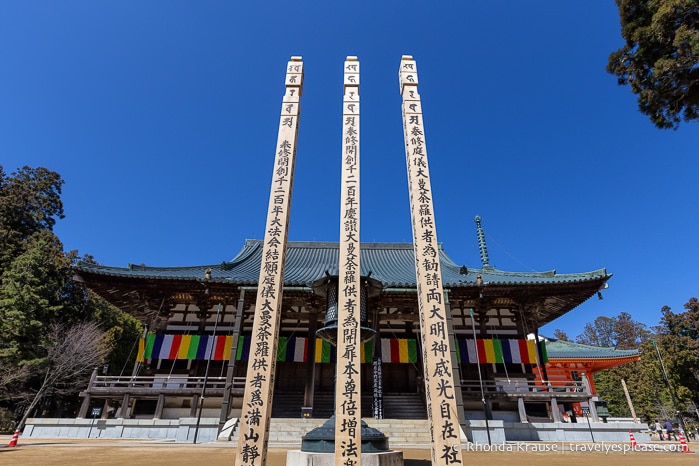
{"x": 259, "y": 383}
{"x": 348, "y": 395}
{"x": 436, "y": 355}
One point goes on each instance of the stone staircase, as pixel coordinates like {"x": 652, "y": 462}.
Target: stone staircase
{"x": 287, "y": 432}
{"x": 395, "y": 405}
{"x": 404, "y": 406}
{"x": 405, "y": 422}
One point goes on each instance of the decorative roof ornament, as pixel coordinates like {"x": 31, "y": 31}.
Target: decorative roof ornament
{"x": 481, "y": 242}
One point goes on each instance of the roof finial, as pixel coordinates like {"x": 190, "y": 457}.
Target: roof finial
{"x": 481, "y": 242}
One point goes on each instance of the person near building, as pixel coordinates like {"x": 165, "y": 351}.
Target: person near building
{"x": 670, "y": 430}
{"x": 659, "y": 429}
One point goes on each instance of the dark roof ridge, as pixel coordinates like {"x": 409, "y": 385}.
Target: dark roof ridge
{"x": 80, "y": 264}
{"x": 547, "y": 274}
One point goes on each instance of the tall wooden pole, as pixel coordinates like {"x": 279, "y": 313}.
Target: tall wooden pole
{"x": 436, "y": 355}
{"x": 348, "y": 396}
{"x": 259, "y": 382}
{"x": 628, "y": 400}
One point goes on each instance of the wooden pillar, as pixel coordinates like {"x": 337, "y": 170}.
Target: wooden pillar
{"x": 436, "y": 346}
{"x": 159, "y": 407}
{"x": 590, "y": 387}
{"x": 310, "y": 381}
{"x": 590, "y": 401}
{"x": 555, "y": 412}
{"x": 518, "y": 312}
{"x": 105, "y": 409}
{"x": 522, "y": 410}
{"x": 482, "y": 320}
{"x": 539, "y": 353}
{"x": 259, "y": 383}
{"x": 86, "y": 399}
{"x": 84, "y": 406}
{"x": 628, "y": 400}
{"x": 125, "y": 409}
{"x": 348, "y": 387}
{"x": 230, "y": 370}
{"x": 456, "y": 369}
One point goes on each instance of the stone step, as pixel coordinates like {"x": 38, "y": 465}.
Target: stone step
{"x": 284, "y": 432}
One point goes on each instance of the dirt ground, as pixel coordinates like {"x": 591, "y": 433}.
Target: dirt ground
{"x": 63, "y": 452}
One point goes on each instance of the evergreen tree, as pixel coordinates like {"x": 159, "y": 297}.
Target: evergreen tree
{"x": 677, "y": 343}
{"x": 30, "y": 202}
{"x": 678, "y": 346}
{"x": 660, "y": 58}
{"x": 620, "y": 332}
{"x": 31, "y": 296}
{"x": 36, "y": 290}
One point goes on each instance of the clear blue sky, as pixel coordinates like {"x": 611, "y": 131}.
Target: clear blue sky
{"x": 162, "y": 116}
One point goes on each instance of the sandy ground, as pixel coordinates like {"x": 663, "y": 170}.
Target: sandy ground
{"x": 108, "y": 452}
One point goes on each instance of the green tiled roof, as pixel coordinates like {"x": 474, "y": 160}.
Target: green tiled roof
{"x": 393, "y": 264}
{"x": 559, "y": 349}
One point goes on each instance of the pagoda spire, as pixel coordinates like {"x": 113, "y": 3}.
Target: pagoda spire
{"x": 481, "y": 242}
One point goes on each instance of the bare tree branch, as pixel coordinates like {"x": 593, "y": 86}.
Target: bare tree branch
{"x": 10, "y": 377}
{"x": 71, "y": 356}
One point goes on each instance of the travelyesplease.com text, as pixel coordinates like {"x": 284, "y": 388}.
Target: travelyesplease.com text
{"x": 564, "y": 447}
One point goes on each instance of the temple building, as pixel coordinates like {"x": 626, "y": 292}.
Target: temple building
{"x": 199, "y": 320}
{"x": 415, "y": 335}
{"x": 192, "y": 358}
{"x": 569, "y": 362}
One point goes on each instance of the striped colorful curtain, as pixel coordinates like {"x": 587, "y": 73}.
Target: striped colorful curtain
{"x": 292, "y": 349}
{"x": 499, "y": 351}
{"x": 185, "y": 347}
{"x": 399, "y": 350}
{"x": 295, "y": 349}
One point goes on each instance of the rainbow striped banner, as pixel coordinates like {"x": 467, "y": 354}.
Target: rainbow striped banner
{"x": 289, "y": 349}
{"x": 488, "y": 351}
{"x": 296, "y": 349}
{"x": 399, "y": 350}
{"x": 185, "y": 347}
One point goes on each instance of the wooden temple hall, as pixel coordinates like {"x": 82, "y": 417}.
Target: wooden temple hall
{"x": 199, "y": 320}
{"x": 317, "y": 329}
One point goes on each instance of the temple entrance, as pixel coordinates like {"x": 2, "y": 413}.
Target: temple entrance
{"x": 400, "y": 378}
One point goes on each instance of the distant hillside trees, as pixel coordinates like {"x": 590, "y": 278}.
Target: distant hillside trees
{"x": 677, "y": 341}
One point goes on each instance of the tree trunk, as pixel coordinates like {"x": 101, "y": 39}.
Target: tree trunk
{"x": 39, "y": 395}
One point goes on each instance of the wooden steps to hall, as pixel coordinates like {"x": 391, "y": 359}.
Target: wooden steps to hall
{"x": 405, "y": 418}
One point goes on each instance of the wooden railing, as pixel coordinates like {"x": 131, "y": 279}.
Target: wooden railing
{"x": 522, "y": 386}
{"x": 183, "y": 383}
{"x": 162, "y": 382}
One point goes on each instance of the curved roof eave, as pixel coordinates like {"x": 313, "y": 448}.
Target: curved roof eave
{"x": 564, "y": 350}
{"x": 390, "y": 263}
